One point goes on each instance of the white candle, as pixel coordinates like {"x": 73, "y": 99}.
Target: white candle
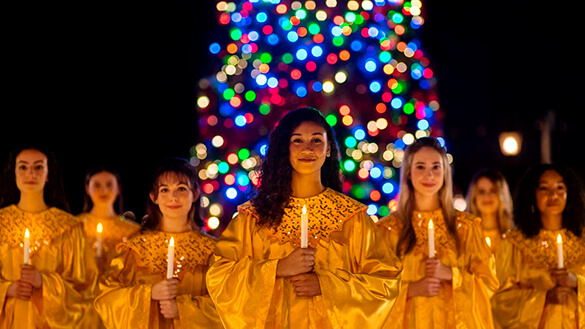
{"x": 26, "y": 247}
{"x": 488, "y": 241}
{"x": 560, "y": 250}
{"x": 304, "y": 228}
{"x": 98, "y": 244}
{"x": 170, "y": 258}
{"x": 431, "y": 239}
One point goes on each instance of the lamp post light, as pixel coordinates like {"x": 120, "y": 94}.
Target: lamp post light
{"x": 510, "y": 143}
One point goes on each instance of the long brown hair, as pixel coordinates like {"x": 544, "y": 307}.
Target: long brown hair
{"x": 505, "y": 210}
{"x": 406, "y": 200}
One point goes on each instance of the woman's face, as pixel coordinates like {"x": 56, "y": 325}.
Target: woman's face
{"x": 487, "y": 199}
{"x": 31, "y": 171}
{"x": 427, "y": 174}
{"x": 308, "y": 148}
{"x": 175, "y": 197}
{"x": 103, "y": 188}
{"x": 551, "y": 193}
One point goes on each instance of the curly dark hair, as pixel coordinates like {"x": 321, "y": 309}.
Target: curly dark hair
{"x": 274, "y": 191}
{"x": 526, "y": 213}
{"x": 186, "y": 172}
{"x": 54, "y": 192}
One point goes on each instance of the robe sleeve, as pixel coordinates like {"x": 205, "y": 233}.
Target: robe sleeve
{"x": 514, "y": 307}
{"x": 240, "y": 286}
{"x": 3, "y": 295}
{"x": 197, "y": 312}
{"x": 476, "y": 281}
{"x": 62, "y": 302}
{"x": 364, "y": 295}
{"x": 122, "y": 303}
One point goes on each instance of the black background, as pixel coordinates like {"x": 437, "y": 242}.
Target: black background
{"x": 115, "y": 82}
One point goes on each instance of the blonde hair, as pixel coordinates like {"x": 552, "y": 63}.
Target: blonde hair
{"x": 407, "y": 238}
{"x": 505, "y": 210}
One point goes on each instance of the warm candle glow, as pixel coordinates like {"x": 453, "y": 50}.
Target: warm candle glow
{"x": 431, "y": 239}
{"x": 561, "y": 263}
{"x": 26, "y": 247}
{"x": 488, "y": 241}
{"x": 100, "y": 227}
{"x": 304, "y": 228}
{"x": 171, "y": 258}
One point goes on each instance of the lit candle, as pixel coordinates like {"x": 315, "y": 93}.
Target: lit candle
{"x": 560, "y": 250}
{"x": 431, "y": 239}
{"x": 488, "y": 241}
{"x": 98, "y": 244}
{"x": 304, "y": 228}
{"x": 26, "y": 246}
{"x": 170, "y": 258}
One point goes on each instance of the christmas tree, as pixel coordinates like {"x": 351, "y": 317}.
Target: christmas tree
{"x": 360, "y": 63}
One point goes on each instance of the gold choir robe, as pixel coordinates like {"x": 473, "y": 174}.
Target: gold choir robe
{"x": 125, "y": 289}
{"x": 56, "y": 250}
{"x": 114, "y": 231}
{"x": 462, "y": 303}
{"x": 524, "y": 269}
{"x": 358, "y": 279}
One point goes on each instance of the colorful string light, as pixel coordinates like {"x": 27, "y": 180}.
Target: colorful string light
{"x": 359, "y": 62}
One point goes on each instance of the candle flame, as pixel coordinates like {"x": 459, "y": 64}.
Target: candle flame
{"x": 304, "y": 209}
{"x": 100, "y": 227}
{"x": 488, "y": 241}
{"x": 27, "y": 234}
{"x": 559, "y": 238}
{"x": 172, "y": 242}
{"x": 431, "y": 224}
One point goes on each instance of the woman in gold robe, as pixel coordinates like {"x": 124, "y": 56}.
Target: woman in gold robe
{"x": 488, "y": 197}
{"x": 103, "y": 206}
{"x": 139, "y": 289}
{"x": 448, "y": 285}
{"x": 47, "y": 289}
{"x": 539, "y": 290}
{"x": 264, "y": 276}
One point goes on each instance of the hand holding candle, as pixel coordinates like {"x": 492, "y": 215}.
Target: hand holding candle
{"x": 26, "y": 247}
{"x": 560, "y": 250}
{"x": 431, "y": 239}
{"x": 170, "y": 258}
{"x": 304, "y": 228}
{"x": 98, "y": 244}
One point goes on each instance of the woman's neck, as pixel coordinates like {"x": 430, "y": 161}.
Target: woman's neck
{"x": 489, "y": 221}
{"x": 32, "y": 202}
{"x": 551, "y": 222}
{"x": 103, "y": 211}
{"x": 426, "y": 202}
{"x": 172, "y": 225}
{"x": 305, "y": 186}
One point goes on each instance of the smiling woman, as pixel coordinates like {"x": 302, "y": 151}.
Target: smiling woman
{"x": 541, "y": 266}
{"x": 265, "y": 277}
{"x": 144, "y": 288}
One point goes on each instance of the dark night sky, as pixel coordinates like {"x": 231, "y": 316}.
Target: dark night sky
{"x": 119, "y": 79}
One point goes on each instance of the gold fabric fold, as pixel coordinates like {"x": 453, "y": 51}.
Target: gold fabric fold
{"x": 359, "y": 280}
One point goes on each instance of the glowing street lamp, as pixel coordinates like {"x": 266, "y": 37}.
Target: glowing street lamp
{"x": 510, "y": 143}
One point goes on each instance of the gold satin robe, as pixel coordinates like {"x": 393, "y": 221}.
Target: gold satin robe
{"x": 462, "y": 303}
{"x": 56, "y": 250}
{"x": 358, "y": 279}
{"x": 125, "y": 289}
{"x": 114, "y": 231}
{"x": 524, "y": 270}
